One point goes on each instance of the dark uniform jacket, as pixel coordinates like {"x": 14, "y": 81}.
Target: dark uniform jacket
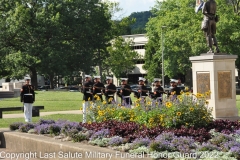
{"x": 126, "y": 90}
{"x": 27, "y": 94}
{"x": 177, "y": 90}
{"x": 111, "y": 89}
{"x": 98, "y": 87}
{"x": 87, "y": 91}
{"x": 143, "y": 91}
{"x": 159, "y": 91}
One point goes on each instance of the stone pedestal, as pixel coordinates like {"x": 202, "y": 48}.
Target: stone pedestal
{"x": 7, "y": 86}
{"x": 217, "y": 74}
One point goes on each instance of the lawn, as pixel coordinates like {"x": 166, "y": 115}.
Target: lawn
{"x": 4, "y": 123}
{"x": 51, "y": 100}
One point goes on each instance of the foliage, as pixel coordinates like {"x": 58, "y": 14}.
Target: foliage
{"x": 48, "y": 37}
{"x": 186, "y": 109}
{"x": 121, "y": 56}
{"x": 141, "y": 20}
{"x": 183, "y": 37}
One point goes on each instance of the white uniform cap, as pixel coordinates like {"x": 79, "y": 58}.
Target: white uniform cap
{"x": 156, "y": 79}
{"x": 87, "y": 76}
{"x": 27, "y": 78}
{"x": 124, "y": 79}
{"x": 107, "y": 78}
{"x": 173, "y": 81}
{"x": 141, "y": 79}
{"x": 97, "y": 77}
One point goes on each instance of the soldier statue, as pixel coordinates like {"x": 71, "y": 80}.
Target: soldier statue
{"x": 209, "y": 24}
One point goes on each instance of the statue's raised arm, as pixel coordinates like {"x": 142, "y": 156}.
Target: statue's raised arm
{"x": 209, "y": 24}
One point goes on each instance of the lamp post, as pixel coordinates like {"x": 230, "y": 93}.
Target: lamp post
{"x": 162, "y": 55}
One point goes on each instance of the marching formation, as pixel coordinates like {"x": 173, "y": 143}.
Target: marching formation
{"x": 95, "y": 89}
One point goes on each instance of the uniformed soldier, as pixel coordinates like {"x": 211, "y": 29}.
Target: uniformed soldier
{"x": 27, "y": 97}
{"x": 142, "y": 89}
{"x": 174, "y": 90}
{"x": 109, "y": 90}
{"x": 87, "y": 95}
{"x": 125, "y": 93}
{"x": 98, "y": 88}
{"x": 158, "y": 91}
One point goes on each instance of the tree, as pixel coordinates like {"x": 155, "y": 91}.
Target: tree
{"x": 183, "y": 37}
{"x": 50, "y": 37}
{"x": 121, "y": 56}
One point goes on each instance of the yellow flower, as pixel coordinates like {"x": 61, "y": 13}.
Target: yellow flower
{"x": 91, "y": 102}
{"x": 187, "y": 93}
{"x": 186, "y": 124}
{"x": 179, "y": 113}
{"x": 149, "y": 103}
{"x": 168, "y": 104}
{"x": 179, "y": 96}
{"x": 207, "y": 93}
{"x": 89, "y": 98}
{"x": 110, "y": 99}
{"x": 186, "y": 88}
{"x": 104, "y": 102}
{"x": 137, "y": 104}
{"x": 156, "y": 103}
{"x": 98, "y": 107}
{"x": 191, "y": 109}
{"x": 98, "y": 98}
{"x": 199, "y": 95}
{"x": 172, "y": 93}
{"x": 80, "y": 108}
{"x": 151, "y": 120}
{"x": 83, "y": 101}
{"x": 181, "y": 92}
{"x": 206, "y": 102}
{"x": 119, "y": 105}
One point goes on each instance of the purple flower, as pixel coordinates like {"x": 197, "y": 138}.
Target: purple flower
{"x": 138, "y": 142}
{"x": 42, "y": 129}
{"x": 208, "y": 147}
{"x": 42, "y": 121}
{"x": 26, "y": 127}
{"x": 168, "y": 136}
{"x": 100, "y": 134}
{"x": 115, "y": 141}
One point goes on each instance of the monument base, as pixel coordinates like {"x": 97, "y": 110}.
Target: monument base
{"x": 228, "y": 118}
{"x": 215, "y": 72}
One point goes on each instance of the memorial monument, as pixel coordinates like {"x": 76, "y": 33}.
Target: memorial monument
{"x": 215, "y": 71}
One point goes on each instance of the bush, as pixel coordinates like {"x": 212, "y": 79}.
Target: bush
{"x": 186, "y": 110}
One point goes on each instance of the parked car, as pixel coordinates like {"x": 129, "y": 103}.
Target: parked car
{"x": 46, "y": 87}
{"x": 74, "y": 89}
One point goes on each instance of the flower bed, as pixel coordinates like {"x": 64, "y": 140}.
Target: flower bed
{"x": 180, "y": 127}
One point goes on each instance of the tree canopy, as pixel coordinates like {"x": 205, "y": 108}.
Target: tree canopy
{"x": 51, "y": 37}
{"x": 183, "y": 37}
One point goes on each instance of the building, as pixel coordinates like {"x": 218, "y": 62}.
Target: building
{"x": 139, "y": 45}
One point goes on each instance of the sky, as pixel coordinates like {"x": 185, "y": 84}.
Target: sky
{"x": 129, "y": 6}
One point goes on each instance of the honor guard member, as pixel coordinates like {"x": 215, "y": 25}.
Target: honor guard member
{"x": 174, "y": 90}
{"x": 110, "y": 90}
{"x": 97, "y": 88}
{"x": 158, "y": 90}
{"x": 87, "y": 95}
{"x": 27, "y": 97}
{"x": 125, "y": 92}
{"x": 142, "y": 89}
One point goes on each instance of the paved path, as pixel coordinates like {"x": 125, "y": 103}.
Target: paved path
{"x": 20, "y": 115}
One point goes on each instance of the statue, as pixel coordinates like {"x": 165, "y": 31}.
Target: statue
{"x": 209, "y": 24}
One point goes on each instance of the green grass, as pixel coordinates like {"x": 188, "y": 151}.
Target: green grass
{"x": 4, "y": 123}
{"x": 51, "y": 100}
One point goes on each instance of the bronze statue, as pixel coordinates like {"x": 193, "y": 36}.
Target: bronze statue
{"x": 209, "y": 24}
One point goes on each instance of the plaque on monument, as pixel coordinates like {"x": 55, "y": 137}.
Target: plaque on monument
{"x": 224, "y": 84}
{"x": 203, "y": 83}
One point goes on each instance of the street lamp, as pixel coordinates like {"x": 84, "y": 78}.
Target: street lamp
{"x": 162, "y": 55}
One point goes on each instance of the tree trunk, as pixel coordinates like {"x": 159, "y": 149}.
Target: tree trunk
{"x": 51, "y": 78}
{"x": 33, "y": 74}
